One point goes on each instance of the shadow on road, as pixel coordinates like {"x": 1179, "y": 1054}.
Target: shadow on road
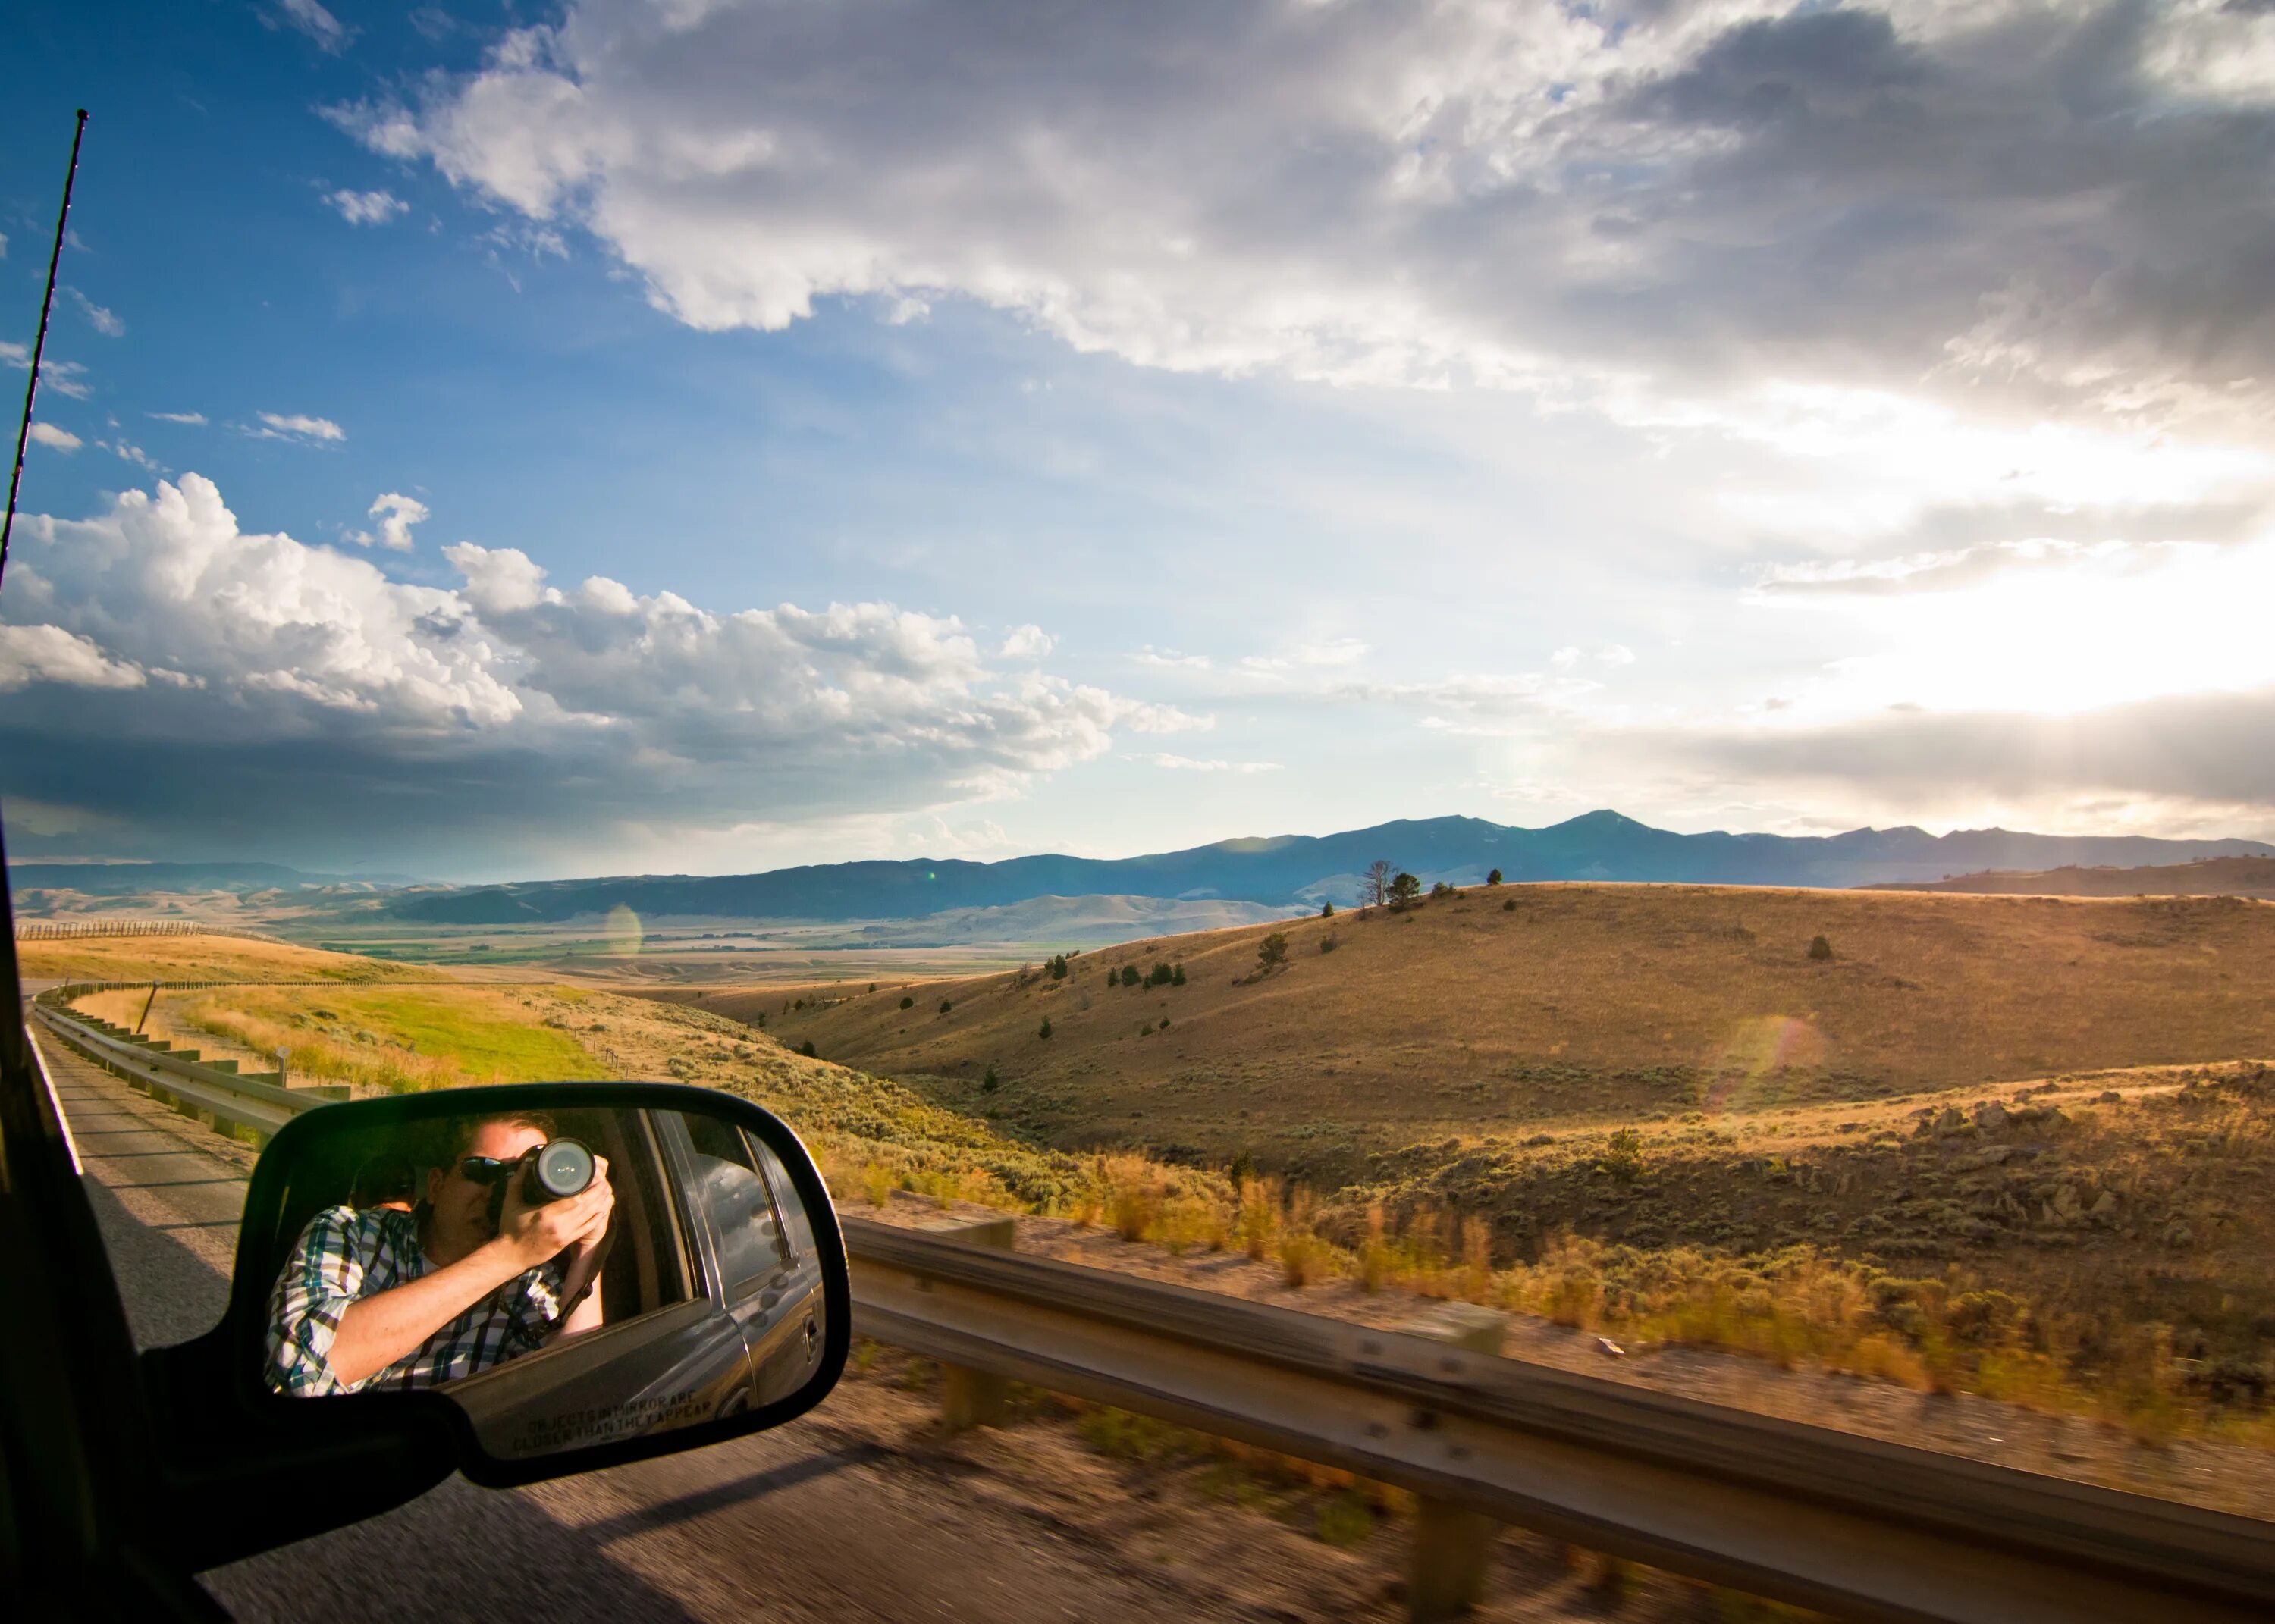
{"x": 757, "y": 1486}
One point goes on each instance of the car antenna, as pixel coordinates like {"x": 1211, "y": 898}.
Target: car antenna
{"x": 47, "y": 300}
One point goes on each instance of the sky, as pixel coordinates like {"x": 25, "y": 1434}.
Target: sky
{"x": 504, "y": 440}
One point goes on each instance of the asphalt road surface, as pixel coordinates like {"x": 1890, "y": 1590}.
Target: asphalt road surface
{"x": 824, "y": 1519}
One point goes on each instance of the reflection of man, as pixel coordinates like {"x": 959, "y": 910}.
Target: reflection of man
{"x": 383, "y": 1297}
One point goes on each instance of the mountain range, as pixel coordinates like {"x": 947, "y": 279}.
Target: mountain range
{"x": 1292, "y": 870}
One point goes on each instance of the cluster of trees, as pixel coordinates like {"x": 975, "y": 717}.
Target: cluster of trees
{"x": 1160, "y": 975}
{"x": 1057, "y": 965}
{"x": 1385, "y": 885}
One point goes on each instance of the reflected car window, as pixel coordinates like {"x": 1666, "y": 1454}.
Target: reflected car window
{"x": 734, "y": 1196}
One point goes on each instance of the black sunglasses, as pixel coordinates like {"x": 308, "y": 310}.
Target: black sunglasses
{"x": 486, "y": 1169}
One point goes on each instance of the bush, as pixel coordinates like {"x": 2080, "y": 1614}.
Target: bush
{"x": 806, "y": 1049}
{"x": 1820, "y": 949}
{"x": 1622, "y": 1157}
{"x": 908, "y": 1003}
{"x": 1159, "y": 976}
{"x": 946, "y": 1005}
{"x": 1403, "y": 891}
{"x": 1057, "y": 965}
{"x": 1509, "y": 906}
{"x": 1493, "y": 879}
{"x": 1326, "y": 911}
{"x": 1044, "y": 1030}
{"x": 1327, "y": 942}
{"x": 1271, "y": 953}
{"x": 1176, "y": 975}
{"x": 991, "y": 1082}
{"x": 1442, "y": 889}
{"x": 1130, "y": 977}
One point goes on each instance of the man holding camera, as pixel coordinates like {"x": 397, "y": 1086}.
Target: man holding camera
{"x": 379, "y": 1298}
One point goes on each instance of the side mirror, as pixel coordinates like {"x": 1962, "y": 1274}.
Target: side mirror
{"x": 521, "y": 1282}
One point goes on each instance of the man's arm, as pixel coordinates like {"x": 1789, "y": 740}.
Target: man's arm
{"x": 376, "y": 1331}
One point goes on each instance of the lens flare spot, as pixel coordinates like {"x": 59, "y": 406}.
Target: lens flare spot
{"x": 1757, "y": 1050}
{"x": 623, "y": 930}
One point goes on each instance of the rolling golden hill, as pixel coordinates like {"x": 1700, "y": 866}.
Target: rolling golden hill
{"x": 1553, "y": 1006}
{"x": 202, "y": 958}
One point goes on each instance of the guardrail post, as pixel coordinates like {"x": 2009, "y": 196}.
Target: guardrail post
{"x": 968, "y": 1397}
{"x": 1452, "y": 1544}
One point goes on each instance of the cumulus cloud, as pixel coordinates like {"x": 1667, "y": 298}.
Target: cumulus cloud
{"x": 64, "y": 377}
{"x": 2059, "y": 202}
{"x": 100, "y": 317}
{"x": 1027, "y": 643}
{"x": 274, "y": 674}
{"x": 1187, "y": 764}
{"x": 51, "y": 654}
{"x": 396, "y": 514}
{"x": 276, "y": 425}
{"x": 331, "y": 34}
{"x": 57, "y": 439}
{"x": 366, "y": 207}
{"x": 129, "y": 452}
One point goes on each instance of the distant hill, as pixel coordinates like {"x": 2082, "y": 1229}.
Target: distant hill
{"x": 2213, "y": 877}
{"x": 1514, "y": 1010}
{"x": 1287, "y": 870}
{"x": 140, "y": 879}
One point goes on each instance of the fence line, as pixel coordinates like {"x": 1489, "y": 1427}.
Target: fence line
{"x": 82, "y": 930}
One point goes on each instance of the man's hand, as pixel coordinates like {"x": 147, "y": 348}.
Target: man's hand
{"x": 537, "y": 1235}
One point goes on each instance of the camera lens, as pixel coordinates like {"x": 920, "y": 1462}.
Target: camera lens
{"x": 564, "y": 1167}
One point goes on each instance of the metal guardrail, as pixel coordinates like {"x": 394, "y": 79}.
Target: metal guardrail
{"x": 246, "y": 1107}
{"x": 1857, "y": 1526}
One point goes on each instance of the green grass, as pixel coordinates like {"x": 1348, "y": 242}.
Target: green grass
{"x": 484, "y": 1038}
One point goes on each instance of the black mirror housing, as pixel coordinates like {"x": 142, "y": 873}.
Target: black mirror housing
{"x": 704, "y": 1298}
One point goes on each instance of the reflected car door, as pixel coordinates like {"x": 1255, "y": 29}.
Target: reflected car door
{"x": 669, "y": 1366}
{"x": 760, "y": 1249}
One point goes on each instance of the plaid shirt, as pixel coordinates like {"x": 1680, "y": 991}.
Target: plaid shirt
{"x": 345, "y": 1254}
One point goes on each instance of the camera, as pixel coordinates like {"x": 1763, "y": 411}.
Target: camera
{"x": 552, "y": 1171}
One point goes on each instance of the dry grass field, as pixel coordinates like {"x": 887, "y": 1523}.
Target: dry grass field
{"x": 198, "y": 958}
{"x": 1553, "y": 1007}
{"x": 2095, "y": 1241}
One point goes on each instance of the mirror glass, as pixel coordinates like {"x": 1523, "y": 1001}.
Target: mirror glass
{"x": 568, "y": 1277}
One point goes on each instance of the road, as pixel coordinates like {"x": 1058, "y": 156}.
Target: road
{"x": 830, "y": 1518}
